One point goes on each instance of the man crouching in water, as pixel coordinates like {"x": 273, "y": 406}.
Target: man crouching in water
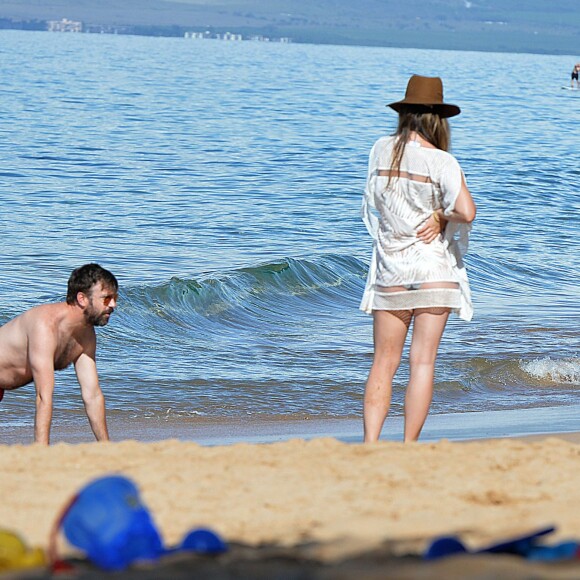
{"x": 51, "y": 337}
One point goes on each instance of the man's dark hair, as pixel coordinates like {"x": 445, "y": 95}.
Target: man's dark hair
{"x": 84, "y": 278}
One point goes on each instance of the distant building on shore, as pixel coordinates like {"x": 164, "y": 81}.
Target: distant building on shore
{"x": 198, "y": 35}
{"x": 234, "y": 36}
{"x": 64, "y": 25}
{"x": 229, "y": 36}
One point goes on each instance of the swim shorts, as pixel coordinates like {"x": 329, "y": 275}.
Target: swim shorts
{"x": 574, "y": 76}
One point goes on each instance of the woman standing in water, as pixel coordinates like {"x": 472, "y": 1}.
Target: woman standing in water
{"x": 420, "y": 237}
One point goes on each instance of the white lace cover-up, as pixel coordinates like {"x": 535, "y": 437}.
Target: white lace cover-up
{"x": 430, "y": 179}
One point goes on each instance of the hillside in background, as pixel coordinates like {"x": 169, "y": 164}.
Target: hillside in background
{"x": 494, "y": 25}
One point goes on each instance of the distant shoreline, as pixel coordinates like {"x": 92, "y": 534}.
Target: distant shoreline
{"x": 413, "y": 40}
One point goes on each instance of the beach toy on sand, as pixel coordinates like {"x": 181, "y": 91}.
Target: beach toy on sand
{"x": 108, "y": 521}
{"x": 520, "y": 545}
{"x": 526, "y": 546}
{"x": 16, "y": 555}
{"x": 561, "y": 551}
{"x": 202, "y": 541}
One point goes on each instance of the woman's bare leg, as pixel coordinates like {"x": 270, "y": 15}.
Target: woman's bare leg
{"x": 389, "y": 330}
{"x": 428, "y": 327}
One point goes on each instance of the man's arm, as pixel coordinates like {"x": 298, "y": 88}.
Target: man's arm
{"x": 41, "y": 349}
{"x": 93, "y": 398}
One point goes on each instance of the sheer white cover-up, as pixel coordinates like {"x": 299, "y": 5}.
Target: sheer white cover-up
{"x": 430, "y": 179}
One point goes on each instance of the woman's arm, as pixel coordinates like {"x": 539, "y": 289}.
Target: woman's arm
{"x": 464, "y": 210}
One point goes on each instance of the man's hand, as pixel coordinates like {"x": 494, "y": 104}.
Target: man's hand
{"x": 43, "y": 417}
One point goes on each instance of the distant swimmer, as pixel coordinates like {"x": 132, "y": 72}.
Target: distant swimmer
{"x": 50, "y": 337}
{"x": 575, "y": 72}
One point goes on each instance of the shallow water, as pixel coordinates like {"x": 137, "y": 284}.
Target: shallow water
{"x": 221, "y": 183}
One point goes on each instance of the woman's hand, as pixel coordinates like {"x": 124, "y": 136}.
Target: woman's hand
{"x": 431, "y": 228}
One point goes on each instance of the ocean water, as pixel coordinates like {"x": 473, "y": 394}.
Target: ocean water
{"x": 221, "y": 183}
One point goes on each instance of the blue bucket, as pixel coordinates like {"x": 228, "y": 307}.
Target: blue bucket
{"x": 108, "y": 521}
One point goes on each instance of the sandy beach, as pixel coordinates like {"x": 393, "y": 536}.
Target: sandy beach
{"x": 337, "y": 498}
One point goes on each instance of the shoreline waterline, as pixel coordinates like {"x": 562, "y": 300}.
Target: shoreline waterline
{"x": 510, "y": 423}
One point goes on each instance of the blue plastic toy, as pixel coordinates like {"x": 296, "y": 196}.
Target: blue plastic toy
{"x": 525, "y": 546}
{"x": 108, "y": 521}
{"x": 203, "y": 541}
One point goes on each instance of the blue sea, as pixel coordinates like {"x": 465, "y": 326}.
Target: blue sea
{"x": 221, "y": 183}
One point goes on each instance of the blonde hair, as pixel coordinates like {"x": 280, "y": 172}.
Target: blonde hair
{"x": 426, "y": 122}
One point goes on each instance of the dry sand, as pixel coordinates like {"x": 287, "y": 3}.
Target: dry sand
{"x": 344, "y": 499}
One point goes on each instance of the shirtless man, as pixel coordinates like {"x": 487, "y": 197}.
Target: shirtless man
{"x": 51, "y": 337}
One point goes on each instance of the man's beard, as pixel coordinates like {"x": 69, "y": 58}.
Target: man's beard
{"x": 97, "y": 318}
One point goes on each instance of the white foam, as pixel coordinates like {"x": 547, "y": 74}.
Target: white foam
{"x": 555, "y": 370}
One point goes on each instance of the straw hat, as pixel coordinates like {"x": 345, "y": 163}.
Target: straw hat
{"x": 426, "y": 92}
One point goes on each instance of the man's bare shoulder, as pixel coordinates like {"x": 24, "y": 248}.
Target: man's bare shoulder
{"x": 57, "y": 318}
{"x": 45, "y": 314}
{"x": 62, "y": 318}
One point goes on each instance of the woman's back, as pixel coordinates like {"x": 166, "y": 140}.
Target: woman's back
{"x": 428, "y": 179}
